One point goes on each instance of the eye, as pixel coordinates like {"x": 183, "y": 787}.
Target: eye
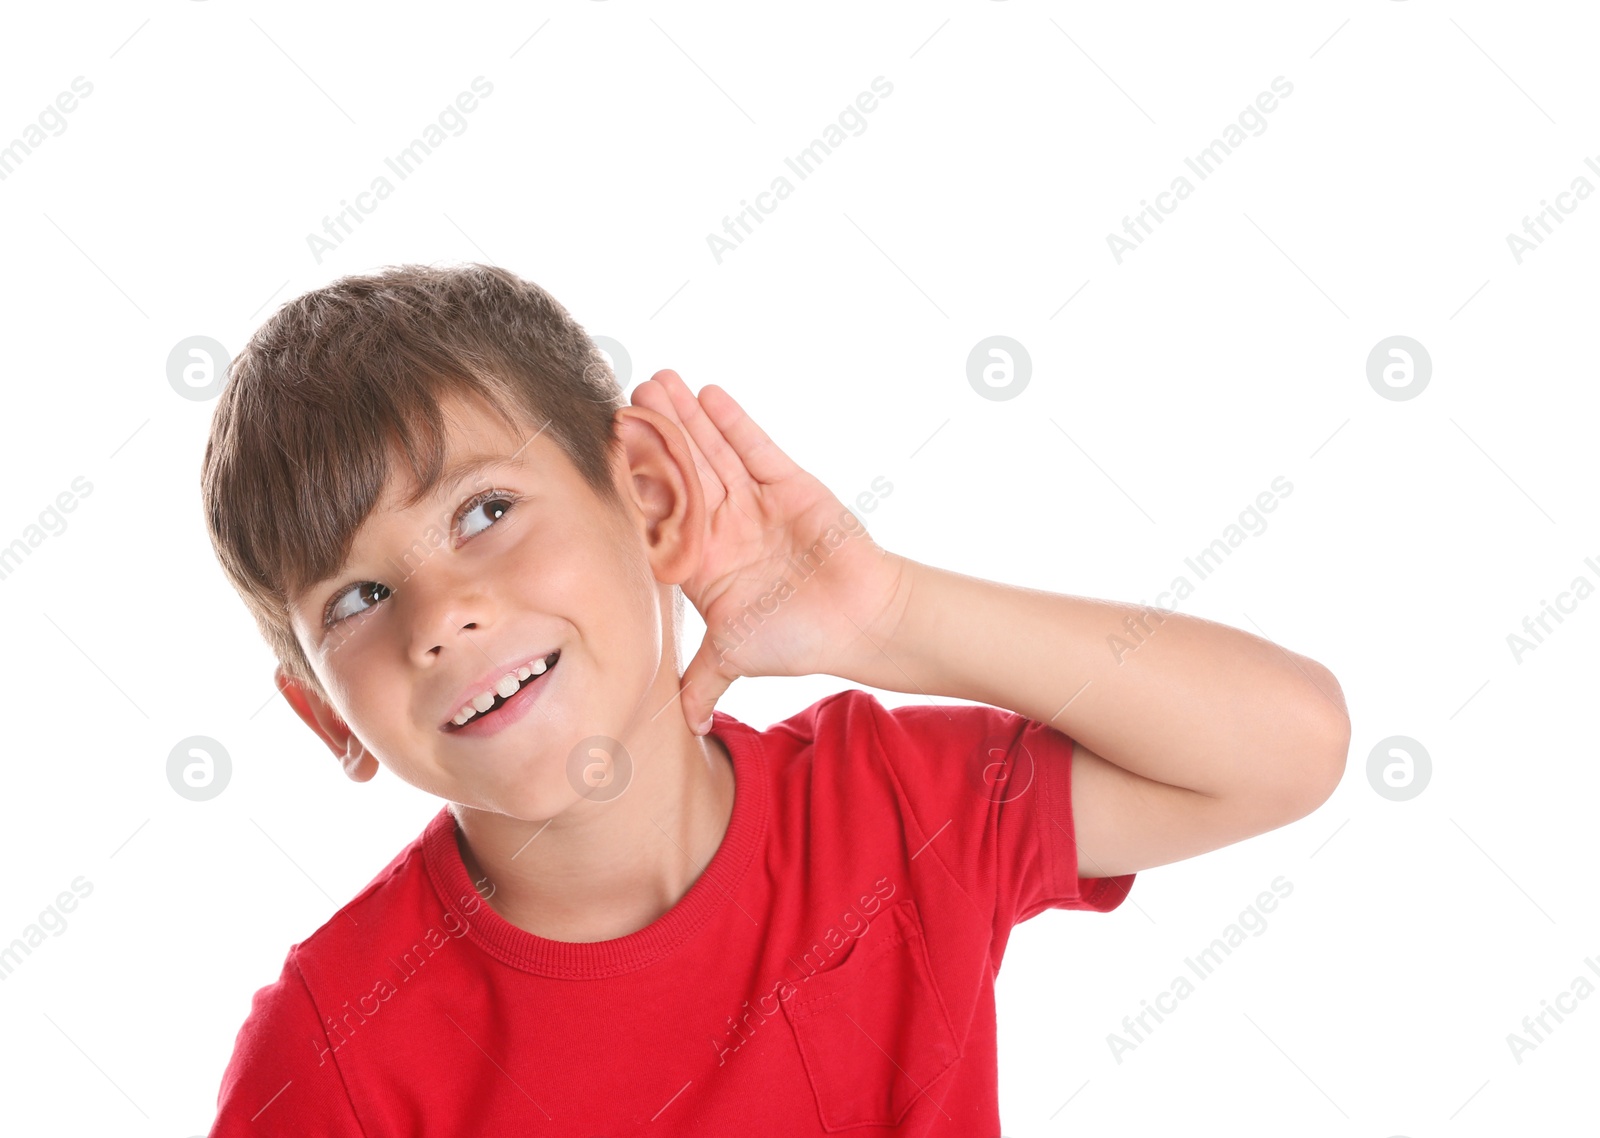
{"x": 495, "y": 504}
{"x": 339, "y": 609}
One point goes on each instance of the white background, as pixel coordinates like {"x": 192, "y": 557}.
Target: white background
{"x": 1166, "y": 393}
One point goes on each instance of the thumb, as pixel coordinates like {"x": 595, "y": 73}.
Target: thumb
{"x": 704, "y": 681}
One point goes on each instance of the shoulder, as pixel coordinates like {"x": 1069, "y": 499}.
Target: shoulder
{"x": 291, "y": 1005}
{"x": 355, "y": 926}
{"x": 857, "y": 722}
{"x": 848, "y": 753}
{"x": 843, "y": 716}
{"x": 283, "y": 1044}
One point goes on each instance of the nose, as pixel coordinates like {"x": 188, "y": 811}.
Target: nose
{"x": 441, "y": 605}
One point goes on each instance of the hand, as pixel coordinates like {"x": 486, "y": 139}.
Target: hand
{"x": 790, "y": 583}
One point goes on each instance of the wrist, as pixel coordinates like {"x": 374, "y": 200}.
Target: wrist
{"x": 884, "y": 650}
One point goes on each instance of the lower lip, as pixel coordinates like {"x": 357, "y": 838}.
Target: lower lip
{"x": 513, "y": 709}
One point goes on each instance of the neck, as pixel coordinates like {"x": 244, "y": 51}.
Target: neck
{"x": 602, "y": 870}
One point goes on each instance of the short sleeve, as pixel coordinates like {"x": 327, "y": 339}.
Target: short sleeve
{"x": 990, "y": 793}
{"x": 283, "y": 1078}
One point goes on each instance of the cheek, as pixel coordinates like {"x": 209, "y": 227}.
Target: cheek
{"x": 596, "y": 574}
{"x": 356, "y": 683}
{"x": 554, "y": 574}
{"x": 608, "y": 585}
{"x": 345, "y": 641}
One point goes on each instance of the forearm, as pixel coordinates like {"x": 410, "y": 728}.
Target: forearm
{"x": 1180, "y": 700}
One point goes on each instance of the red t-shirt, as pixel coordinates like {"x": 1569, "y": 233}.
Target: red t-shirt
{"x": 831, "y": 969}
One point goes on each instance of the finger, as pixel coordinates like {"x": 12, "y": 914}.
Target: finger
{"x": 648, "y": 394}
{"x": 705, "y": 433}
{"x": 653, "y": 395}
{"x": 740, "y": 444}
{"x": 703, "y": 685}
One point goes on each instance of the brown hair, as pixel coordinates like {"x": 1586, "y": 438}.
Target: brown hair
{"x": 342, "y": 378}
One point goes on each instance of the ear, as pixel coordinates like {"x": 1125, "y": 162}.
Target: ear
{"x": 659, "y": 480}
{"x": 352, "y": 754}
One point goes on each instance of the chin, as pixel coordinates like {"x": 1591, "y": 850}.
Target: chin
{"x": 534, "y": 804}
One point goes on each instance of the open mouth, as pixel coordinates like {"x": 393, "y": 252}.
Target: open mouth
{"x": 524, "y": 688}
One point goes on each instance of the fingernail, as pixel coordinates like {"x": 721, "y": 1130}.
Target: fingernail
{"x": 704, "y": 727}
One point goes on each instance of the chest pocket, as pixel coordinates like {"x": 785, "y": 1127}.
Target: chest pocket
{"x": 873, "y": 1030}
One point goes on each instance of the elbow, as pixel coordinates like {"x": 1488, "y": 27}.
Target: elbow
{"x": 1327, "y": 746}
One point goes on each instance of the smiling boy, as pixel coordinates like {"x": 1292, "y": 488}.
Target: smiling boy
{"x": 469, "y": 556}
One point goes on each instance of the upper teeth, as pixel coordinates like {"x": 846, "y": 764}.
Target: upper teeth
{"x": 506, "y": 687}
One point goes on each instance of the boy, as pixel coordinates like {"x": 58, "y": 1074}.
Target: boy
{"x": 468, "y": 555}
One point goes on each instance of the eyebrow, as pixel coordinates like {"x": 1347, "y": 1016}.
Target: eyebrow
{"x": 454, "y": 472}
